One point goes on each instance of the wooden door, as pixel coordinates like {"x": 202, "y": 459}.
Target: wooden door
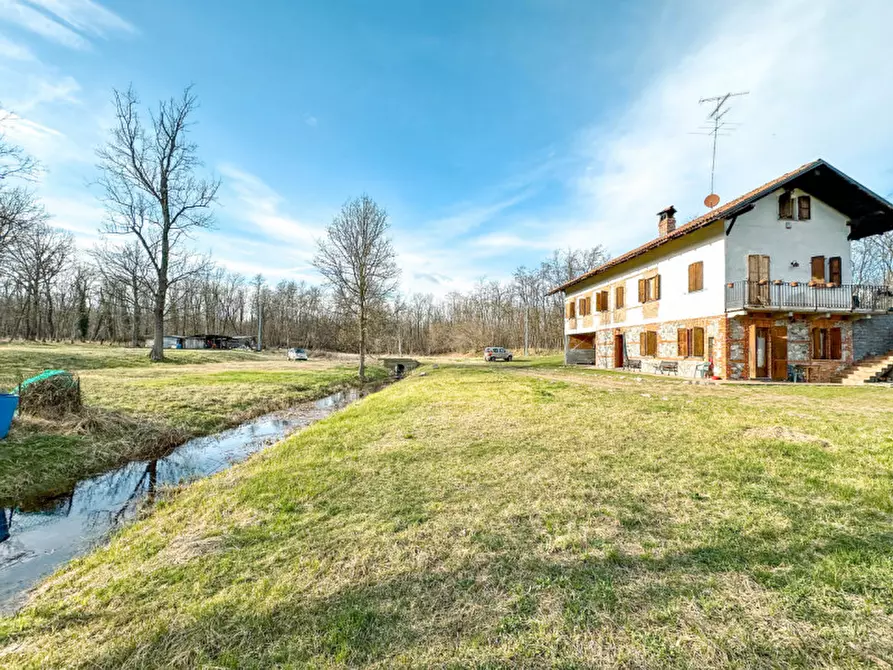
{"x": 761, "y": 352}
{"x": 757, "y": 280}
{"x": 618, "y": 350}
{"x": 778, "y": 351}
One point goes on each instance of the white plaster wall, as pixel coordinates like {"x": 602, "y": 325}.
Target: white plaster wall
{"x": 672, "y": 261}
{"x": 760, "y": 231}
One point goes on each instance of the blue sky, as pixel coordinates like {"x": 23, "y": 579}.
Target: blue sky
{"x": 493, "y": 132}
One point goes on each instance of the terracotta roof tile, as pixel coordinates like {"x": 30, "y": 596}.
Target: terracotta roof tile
{"x": 695, "y": 224}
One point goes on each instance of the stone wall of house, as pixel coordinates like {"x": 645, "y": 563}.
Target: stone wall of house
{"x": 799, "y": 344}
{"x": 667, "y": 345}
{"x": 872, "y": 337}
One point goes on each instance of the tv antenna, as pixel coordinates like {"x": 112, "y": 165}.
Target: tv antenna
{"x": 716, "y": 126}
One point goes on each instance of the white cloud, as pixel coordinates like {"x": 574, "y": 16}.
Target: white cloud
{"x": 44, "y": 91}
{"x": 80, "y": 216}
{"x": 64, "y": 22}
{"x": 248, "y": 198}
{"x": 86, "y": 16}
{"x": 813, "y": 69}
{"x": 14, "y": 51}
{"x": 310, "y": 120}
{"x": 34, "y": 21}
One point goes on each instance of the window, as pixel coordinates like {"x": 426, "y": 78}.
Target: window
{"x": 834, "y": 274}
{"x": 785, "y": 206}
{"x": 601, "y": 301}
{"x": 826, "y": 344}
{"x": 619, "y": 297}
{"x": 818, "y": 269}
{"x": 648, "y": 343}
{"x": 804, "y": 208}
{"x": 690, "y": 342}
{"x": 571, "y": 310}
{"x": 585, "y": 306}
{"x": 649, "y": 289}
{"x": 696, "y": 277}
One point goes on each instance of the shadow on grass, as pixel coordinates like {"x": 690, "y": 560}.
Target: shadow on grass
{"x": 516, "y": 608}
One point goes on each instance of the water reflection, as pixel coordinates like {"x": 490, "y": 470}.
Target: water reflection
{"x": 37, "y": 536}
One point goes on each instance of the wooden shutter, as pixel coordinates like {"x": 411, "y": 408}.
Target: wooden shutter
{"x": 785, "y": 206}
{"x": 818, "y": 268}
{"x": 656, "y": 294}
{"x": 816, "y": 343}
{"x": 682, "y": 342}
{"x": 643, "y": 343}
{"x": 571, "y": 309}
{"x": 641, "y": 290}
{"x": 696, "y": 276}
{"x": 697, "y": 342}
{"x": 835, "y": 349}
{"x": 834, "y": 270}
{"x": 652, "y": 343}
{"x": 804, "y": 208}
{"x": 619, "y": 297}
{"x": 753, "y": 268}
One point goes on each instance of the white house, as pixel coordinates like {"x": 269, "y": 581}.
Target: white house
{"x": 761, "y": 287}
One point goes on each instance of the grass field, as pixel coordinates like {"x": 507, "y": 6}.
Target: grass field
{"x": 135, "y": 408}
{"x": 510, "y": 516}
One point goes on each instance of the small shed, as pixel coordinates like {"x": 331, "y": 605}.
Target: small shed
{"x": 400, "y": 366}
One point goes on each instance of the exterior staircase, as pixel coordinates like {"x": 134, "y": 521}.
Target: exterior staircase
{"x": 868, "y": 370}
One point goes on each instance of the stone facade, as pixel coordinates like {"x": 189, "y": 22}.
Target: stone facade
{"x": 799, "y": 344}
{"x": 729, "y": 340}
{"x": 667, "y": 345}
{"x": 872, "y": 337}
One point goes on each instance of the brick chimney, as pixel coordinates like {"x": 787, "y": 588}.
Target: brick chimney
{"x": 666, "y": 224}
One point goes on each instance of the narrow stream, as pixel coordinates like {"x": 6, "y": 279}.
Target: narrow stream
{"x": 38, "y": 536}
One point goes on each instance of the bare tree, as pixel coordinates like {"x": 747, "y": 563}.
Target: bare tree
{"x": 36, "y": 261}
{"x": 151, "y": 191}
{"x": 14, "y": 161}
{"x": 18, "y": 206}
{"x": 128, "y": 266}
{"x": 357, "y": 259}
{"x": 19, "y": 210}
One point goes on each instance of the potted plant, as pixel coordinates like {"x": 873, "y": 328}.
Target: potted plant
{"x": 795, "y": 284}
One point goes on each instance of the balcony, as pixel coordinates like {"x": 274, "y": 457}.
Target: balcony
{"x": 801, "y": 297}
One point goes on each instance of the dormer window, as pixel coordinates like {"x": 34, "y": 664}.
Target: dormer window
{"x": 785, "y": 206}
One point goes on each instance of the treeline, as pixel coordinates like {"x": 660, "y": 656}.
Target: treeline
{"x": 146, "y": 280}
{"x": 50, "y": 291}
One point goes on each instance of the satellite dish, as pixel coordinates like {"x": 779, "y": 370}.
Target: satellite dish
{"x": 711, "y": 200}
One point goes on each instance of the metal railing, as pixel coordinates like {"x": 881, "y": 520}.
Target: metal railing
{"x": 803, "y": 297}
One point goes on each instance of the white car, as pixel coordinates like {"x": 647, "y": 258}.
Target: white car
{"x": 297, "y": 355}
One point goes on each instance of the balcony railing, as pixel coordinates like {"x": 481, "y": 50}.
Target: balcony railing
{"x": 798, "y": 296}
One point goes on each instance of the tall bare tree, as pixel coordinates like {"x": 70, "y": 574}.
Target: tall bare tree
{"x": 14, "y": 161}
{"x": 356, "y": 257}
{"x": 151, "y": 190}
{"x": 18, "y": 206}
{"x": 128, "y": 266}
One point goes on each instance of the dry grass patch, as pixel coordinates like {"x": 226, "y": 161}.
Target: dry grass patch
{"x": 492, "y": 518}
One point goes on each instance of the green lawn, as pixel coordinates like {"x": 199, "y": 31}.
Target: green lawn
{"x": 136, "y": 409}
{"x": 28, "y": 359}
{"x": 510, "y": 516}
